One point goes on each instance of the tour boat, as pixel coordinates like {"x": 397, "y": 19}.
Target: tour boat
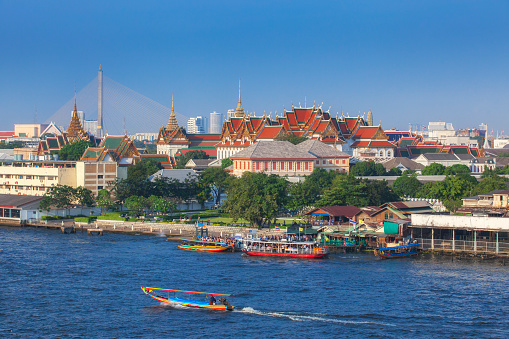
{"x": 290, "y": 249}
{"x": 204, "y": 246}
{"x": 398, "y": 251}
{"x": 209, "y": 301}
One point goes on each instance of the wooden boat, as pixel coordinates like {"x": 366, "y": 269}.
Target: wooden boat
{"x": 399, "y": 251}
{"x": 204, "y": 246}
{"x": 171, "y": 298}
{"x": 290, "y": 249}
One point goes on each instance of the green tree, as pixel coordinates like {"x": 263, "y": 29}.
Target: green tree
{"x": 434, "y": 169}
{"x": 161, "y": 204}
{"x": 143, "y": 169}
{"x": 490, "y": 183}
{"x": 136, "y": 204}
{"x": 394, "y": 172}
{"x": 84, "y": 197}
{"x": 60, "y": 196}
{"x": 290, "y": 137}
{"x": 406, "y": 186}
{"x": 216, "y": 180}
{"x": 306, "y": 193}
{"x": 256, "y": 197}
{"x": 457, "y": 169}
{"x": 368, "y": 168}
{"x": 379, "y": 192}
{"x": 11, "y": 145}
{"x": 104, "y": 200}
{"x": 345, "y": 190}
{"x": 226, "y": 162}
{"x": 183, "y": 159}
{"x": 75, "y": 150}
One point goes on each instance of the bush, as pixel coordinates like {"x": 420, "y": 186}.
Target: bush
{"x": 88, "y": 220}
{"x": 111, "y": 216}
{"x": 49, "y": 217}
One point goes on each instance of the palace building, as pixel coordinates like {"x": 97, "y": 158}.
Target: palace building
{"x": 352, "y": 135}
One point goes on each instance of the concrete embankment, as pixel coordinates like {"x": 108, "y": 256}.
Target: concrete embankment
{"x": 169, "y": 230}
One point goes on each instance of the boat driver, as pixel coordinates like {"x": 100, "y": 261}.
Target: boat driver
{"x": 212, "y": 300}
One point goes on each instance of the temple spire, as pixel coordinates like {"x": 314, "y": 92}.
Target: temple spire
{"x": 172, "y": 122}
{"x": 75, "y": 130}
{"x": 239, "y": 112}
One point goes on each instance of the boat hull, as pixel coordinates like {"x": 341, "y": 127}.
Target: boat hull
{"x": 396, "y": 255}
{"x": 397, "y": 252}
{"x": 205, "y": 248}
{"x": 287, "y": 255}
{"x": 187, "y": 302}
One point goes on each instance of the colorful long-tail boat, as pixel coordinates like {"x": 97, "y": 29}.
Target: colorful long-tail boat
{"x": 210, "y": 301}
{"x": 204, "y": 246}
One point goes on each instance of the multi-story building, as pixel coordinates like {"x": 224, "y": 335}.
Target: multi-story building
{"x": 286, "y": 159}
{"x": 197, "y": 125}
{"x": 37, "y": 177}
{"x": 216, "y": 122}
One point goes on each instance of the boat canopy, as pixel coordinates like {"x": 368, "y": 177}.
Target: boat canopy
{"x": 180, "y": 291}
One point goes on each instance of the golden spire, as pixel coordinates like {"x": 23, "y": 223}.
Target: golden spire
{"x": 239, "y": 112}
{"x": 172, "y": 122}
{"x": 75, "y": 129}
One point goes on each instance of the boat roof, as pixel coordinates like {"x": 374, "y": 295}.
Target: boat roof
{"x": 282, "y": 242}
{"x": 396, "y": 247}
{"x": 182, "y": 291}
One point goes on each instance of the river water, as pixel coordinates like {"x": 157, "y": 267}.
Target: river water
{"x": 57, "y": 285}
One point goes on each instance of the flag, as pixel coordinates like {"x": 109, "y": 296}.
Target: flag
{"x": 301, "y": 229}
{"x": 353, "y": 222}
{"x": 277, "y": 228}
{"x": 361, "y": 222}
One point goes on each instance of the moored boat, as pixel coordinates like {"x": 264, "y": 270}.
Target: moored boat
{"x": 304, "y": 249}
{"x": 210, "y": 301}
{"x": 204, "y": 246}
{"x": 398, "y": 251}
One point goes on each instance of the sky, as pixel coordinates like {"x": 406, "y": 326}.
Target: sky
{"x": 410, "y": 62}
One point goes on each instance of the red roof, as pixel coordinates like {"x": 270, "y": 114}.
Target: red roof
{"x": 6, "y": 134}
{"x": 366, "y": 132}
{"x": 270, "y": 132}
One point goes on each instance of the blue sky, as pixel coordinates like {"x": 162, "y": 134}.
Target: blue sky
{"x": 409, "y": 61}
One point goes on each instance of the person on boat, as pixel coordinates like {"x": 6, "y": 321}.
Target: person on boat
{"x": 212, "y": 300}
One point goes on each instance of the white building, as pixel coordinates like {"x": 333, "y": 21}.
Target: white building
{"x": 144, "y": 136}
{"x": 197, "y": 125}
{"x": 216, "y": 122}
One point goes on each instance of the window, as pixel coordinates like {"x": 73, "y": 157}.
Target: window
{"x": 99, "y": 187}
{"x": 298, "y": 166}
{"x": 381, "y": 153}
{"x": 281, "y": 166}
{"x": 306, "y": 165}
{"x": 337, "y": 162}
{"x": 257, "y": 166}
{"x": 318, "y": 162}
{"x": 266, "y": 165}
{"x": 100, "y": 176}
{"x": 290, "y": 166}
{"x": 235, "y": 165}
{"x": 274, "y": 166}
{"x": 324, "y": 162}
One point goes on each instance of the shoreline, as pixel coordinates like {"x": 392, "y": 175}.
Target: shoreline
{"x": 175, "y": 231}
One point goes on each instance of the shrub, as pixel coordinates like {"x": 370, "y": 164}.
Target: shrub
{"x": 88, "y": 220}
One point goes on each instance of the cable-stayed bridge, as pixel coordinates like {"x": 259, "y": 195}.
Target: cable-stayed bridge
{"x": 124, "y": 110}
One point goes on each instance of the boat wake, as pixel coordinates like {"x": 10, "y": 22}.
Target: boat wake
{"x": 308, "y": 317}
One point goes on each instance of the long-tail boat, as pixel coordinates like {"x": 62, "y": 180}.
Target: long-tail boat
{"x": 290, "y": 249}
{"x": 399, "y": 251}
{"x": 209, "y": 302}
{"x": 204, "y": 246}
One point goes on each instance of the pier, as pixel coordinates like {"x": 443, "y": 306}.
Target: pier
{"x": 461, "y": 234}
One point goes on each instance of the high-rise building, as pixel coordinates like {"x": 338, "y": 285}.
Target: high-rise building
{"x": 197, "y": 125}
{"x": 216, "y": 121}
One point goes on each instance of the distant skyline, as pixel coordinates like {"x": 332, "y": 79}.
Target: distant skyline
{"x": 409, "y": 62}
